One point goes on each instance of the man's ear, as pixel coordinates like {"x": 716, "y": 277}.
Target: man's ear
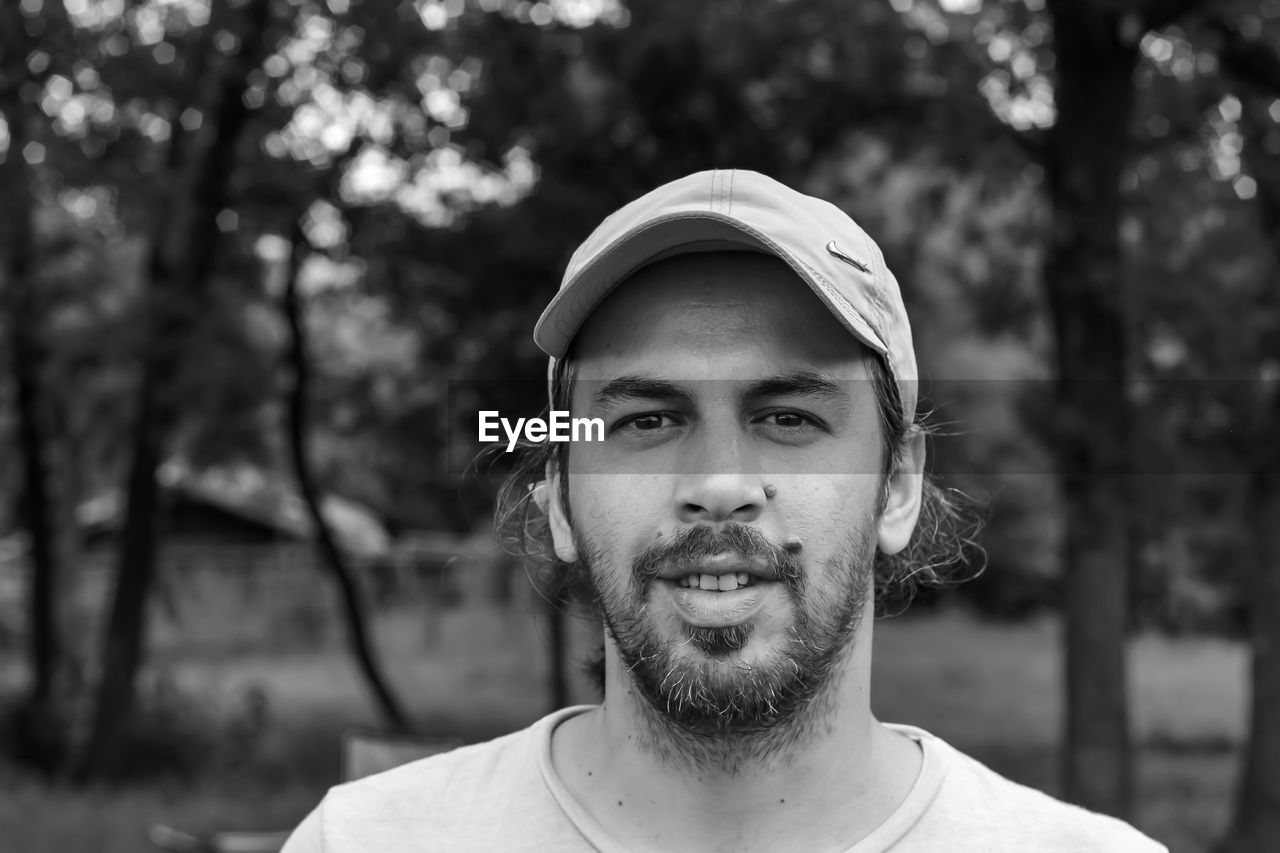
{"x": 547, "y": 495}
{"x": 902, "y": 498}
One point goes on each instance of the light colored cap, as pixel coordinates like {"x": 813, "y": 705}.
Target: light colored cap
{"x": 728, "y": 210}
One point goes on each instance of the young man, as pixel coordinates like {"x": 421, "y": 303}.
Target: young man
{"x": 758, "y": 489}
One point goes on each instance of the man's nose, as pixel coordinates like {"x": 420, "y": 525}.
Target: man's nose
{"x": 722, "y": 483}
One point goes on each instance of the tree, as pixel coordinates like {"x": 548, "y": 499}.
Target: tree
{"x": 182, "y": 251}
{"x": 1080, "y": 131}
{"x": 37, "y": 720}
{"x": 1255, "y": 826}
{"x": 1096, "y": 51}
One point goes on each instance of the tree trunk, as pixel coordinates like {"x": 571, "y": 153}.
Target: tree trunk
{"x": 125, "y": 639}
{"x": 1255, "y": 826}
{"x": 40, "y": 737}
{"x": 182, "y": 252}
{"x": 1085, "y": 154}
{"x": 331, "y": 556}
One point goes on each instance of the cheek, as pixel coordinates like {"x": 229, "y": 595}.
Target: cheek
{"x": 824, "y": 512}
{"x": 617, "y": 514}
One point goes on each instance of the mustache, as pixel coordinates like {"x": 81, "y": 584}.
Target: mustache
{"x": 703, "y": 541}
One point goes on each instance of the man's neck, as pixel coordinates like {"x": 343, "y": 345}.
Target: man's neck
{"x": 829, "y": 782}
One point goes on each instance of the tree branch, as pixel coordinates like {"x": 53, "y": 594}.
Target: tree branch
{"x": 297, "y": 428}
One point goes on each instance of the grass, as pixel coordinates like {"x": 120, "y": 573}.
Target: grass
{"x": 995, "y": 691}
{"x": 476, "y": 671}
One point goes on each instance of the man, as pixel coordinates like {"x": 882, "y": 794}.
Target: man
{"x": 756, "y": 492}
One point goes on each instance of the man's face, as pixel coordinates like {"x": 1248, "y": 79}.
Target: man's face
{"x": 730, "y": 517}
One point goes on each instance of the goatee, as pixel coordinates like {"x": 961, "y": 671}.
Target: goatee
{"x": 711, "y": 710}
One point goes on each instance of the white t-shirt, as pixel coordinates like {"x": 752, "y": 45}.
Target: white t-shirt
{"x": 504, "y": 795}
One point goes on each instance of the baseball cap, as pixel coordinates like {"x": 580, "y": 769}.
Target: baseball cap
{"x": 739, "y": 210}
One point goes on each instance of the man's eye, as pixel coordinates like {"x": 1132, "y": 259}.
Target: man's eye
{"x": 647, "y": 422}
{"x": 787, "y": 420}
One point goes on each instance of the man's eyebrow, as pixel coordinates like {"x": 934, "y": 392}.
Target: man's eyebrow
{"x": 628, "y": 388}
{"x": 801, "y": 383}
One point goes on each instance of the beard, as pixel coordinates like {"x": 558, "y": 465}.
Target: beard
{"x": 713, "y": 710}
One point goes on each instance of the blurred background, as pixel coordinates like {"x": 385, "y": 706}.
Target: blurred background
{"x": 251, "y": 248}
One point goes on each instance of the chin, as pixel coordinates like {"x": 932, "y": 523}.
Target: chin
{"x": 739, "y": 646}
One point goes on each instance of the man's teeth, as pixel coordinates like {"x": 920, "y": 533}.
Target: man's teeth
{"x": 722, "y": 583}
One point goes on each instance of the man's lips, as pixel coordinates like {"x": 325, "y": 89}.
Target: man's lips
{"x": 719, "y": 590}
{"x": 730, "y": 604}
{"x": 727, "y": 563}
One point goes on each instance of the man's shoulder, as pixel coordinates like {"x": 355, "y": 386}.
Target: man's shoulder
{"x": 981, "y": 803}
{"x": 450, "y": 801}
{"x": 455, "y": 772}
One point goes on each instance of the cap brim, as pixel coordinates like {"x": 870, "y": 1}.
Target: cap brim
{"x": 676, "y": 234}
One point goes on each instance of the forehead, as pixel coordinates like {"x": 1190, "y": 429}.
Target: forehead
{"x": 715, "y": 315}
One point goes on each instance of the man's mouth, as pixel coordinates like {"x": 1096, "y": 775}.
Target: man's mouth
{"x": 723, "y": 572}
{"x": 708, "y": 600}
{"x": 719, "y": 590}
{"x": 716, "y": 583}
